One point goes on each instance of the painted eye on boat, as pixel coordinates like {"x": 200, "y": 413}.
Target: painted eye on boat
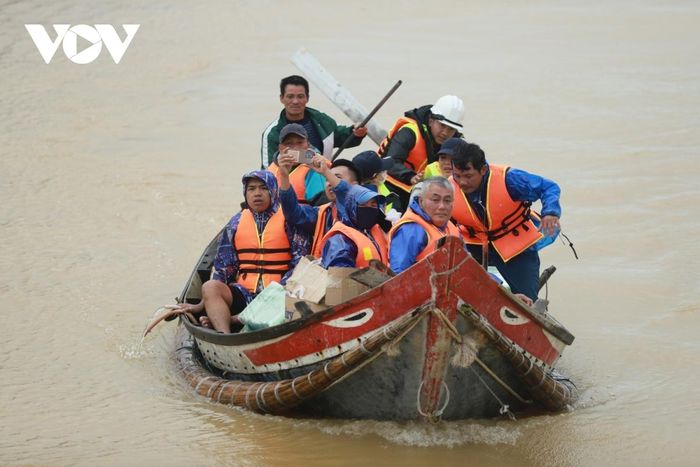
{"x": 511, "y": 317}
{"x": 352, "y": 320}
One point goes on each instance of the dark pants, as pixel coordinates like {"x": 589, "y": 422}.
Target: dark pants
{"x": 521, "y": 272}
{"x": 241, "y": 298}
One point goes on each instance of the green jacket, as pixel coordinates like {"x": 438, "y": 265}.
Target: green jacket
{"x": 325, "y": 126}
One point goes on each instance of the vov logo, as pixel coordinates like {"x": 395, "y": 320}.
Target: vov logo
{"x": 68, "y": 35}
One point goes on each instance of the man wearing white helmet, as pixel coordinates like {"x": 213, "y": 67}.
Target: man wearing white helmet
{"x": 415, "y": 139}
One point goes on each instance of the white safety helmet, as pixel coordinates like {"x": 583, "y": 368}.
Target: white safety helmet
{"x": 449, "y": 110}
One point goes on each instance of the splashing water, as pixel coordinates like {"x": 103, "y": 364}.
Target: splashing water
{"x": 419, "y": 434}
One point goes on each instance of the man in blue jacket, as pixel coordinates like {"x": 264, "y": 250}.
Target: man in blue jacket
{"x": 492, "y": 209}
{"x": 426, "y": 220}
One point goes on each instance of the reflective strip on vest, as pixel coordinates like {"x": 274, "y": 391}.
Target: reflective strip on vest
{"x": 510, "y": 228}
{"x": 417, "y": 157}
{"x": 263, "y": 256}
{"x": 384, "y": 191}
{"x": 433, "y": 170}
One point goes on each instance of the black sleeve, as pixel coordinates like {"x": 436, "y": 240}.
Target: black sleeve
{"x": 399, "y": 147}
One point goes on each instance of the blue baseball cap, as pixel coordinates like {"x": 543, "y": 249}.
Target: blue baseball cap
{"x": 363, "y": 195}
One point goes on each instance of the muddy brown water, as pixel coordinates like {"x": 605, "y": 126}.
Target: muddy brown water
{"x": 115, "y": 177}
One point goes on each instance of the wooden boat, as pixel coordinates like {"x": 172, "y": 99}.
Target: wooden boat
{"x": 440, "y": 340}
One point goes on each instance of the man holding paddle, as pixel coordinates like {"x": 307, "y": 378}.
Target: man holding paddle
{"x": 323, "y": 132}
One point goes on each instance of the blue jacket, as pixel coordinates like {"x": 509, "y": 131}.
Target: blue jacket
{"x": 339, "y": 250}
{"x": 305, "y": 216}
{"x": 525, "y": 186}
{"x": 408, "y": 241}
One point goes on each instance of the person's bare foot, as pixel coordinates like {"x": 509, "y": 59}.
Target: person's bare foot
{"x": 204, "y": 322}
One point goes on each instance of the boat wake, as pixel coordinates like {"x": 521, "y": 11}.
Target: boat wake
{"x": 419, "y": 434}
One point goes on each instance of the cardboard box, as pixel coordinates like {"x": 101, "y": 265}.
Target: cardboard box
{"x": 340, "y": 288}
{"x": 307, "y": 282}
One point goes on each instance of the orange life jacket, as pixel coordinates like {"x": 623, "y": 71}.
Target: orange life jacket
{"x": 263, "y": 255}
{"x": 434, "y": 233}
{"x": 297, "y": 179}
{"x": 418, "y": 155}
{"x": 324, "y": 211}
{"x": 508, "y": 226}
{"x": 366, "y": 249}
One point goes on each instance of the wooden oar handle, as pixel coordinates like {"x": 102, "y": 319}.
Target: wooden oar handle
{"x": 368, "y": 117}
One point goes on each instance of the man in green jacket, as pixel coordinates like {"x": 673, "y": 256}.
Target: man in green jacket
{"x": 324, "y": 133}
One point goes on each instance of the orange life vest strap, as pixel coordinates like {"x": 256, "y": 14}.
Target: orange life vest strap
{"x": 261, "y": 255}
{"x": 366, "y": 248}
{"x": 324, "y": 211}
{"x": 510, "y": 228}
{"x": 417, "y": 158}
{"x": 431, "y": 230}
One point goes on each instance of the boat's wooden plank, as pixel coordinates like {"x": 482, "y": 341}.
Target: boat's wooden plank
{"x": 370, "y": 277}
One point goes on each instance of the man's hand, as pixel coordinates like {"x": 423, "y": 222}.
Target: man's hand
{"x": 525, "y": 299}
{"x": 360, "y": 132}
{"x": 417, "y": 178}
{"x": 285, "y": 162}
{"x": 550, "y": 225}
{"x": 320, "y": 164}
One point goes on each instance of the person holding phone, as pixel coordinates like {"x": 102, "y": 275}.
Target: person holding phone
{"x": 294, "y": 144}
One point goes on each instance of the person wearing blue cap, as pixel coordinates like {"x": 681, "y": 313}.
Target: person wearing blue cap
{"x": 373, "y": 171}
{"x": 356, "y": 239}
{"x": 443, "y": 166}
{"x": 369, "y": 164}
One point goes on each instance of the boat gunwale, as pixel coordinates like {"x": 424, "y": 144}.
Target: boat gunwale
{"x": 214, "y": 337}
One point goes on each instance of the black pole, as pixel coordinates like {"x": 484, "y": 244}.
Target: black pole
{"x": 544, "y": 277}
{"x": 367, "y": 118}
